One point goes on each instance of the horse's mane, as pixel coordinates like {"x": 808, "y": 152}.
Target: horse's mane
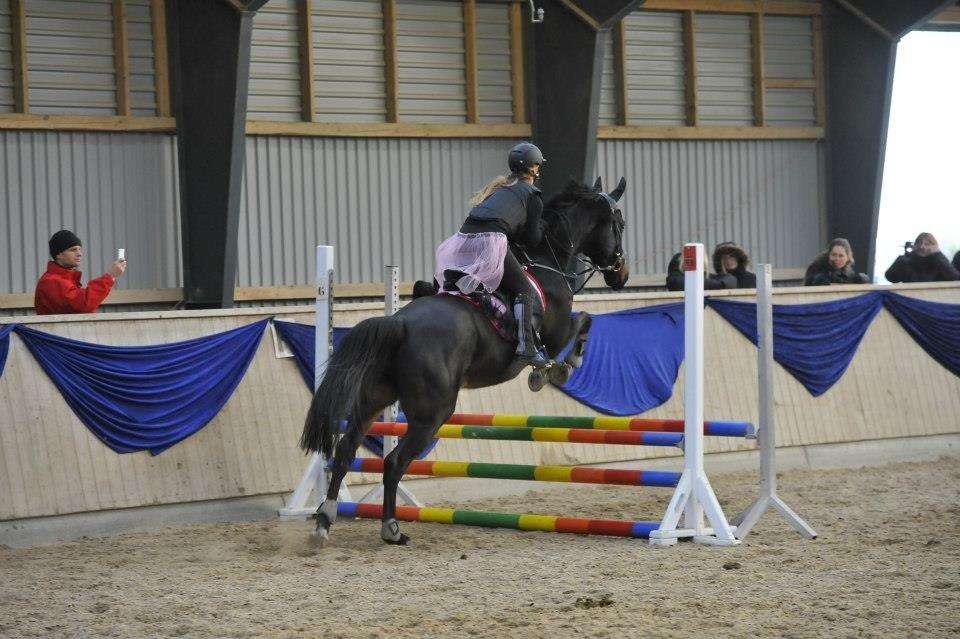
{"x": 572, "y": 193}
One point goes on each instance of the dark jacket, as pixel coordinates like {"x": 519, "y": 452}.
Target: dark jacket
{"x": 59, "y": 291}
{"x": 956, "y": 261}
{"x": 513, "y": 210}
{"x": 745, "y": 278}
{"x": 927, "y": 268}
{"x": 821, "y": 273}
{"x": 675, "y": 279}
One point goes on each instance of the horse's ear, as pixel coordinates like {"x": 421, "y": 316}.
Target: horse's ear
{"x": 617, "y": 193}
{"x": 598, "y": 185}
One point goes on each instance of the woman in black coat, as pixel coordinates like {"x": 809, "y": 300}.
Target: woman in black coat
{"x": 730, "y": 259}
{"x": 925, "y": 263}
{"x": 675, "y": 277}
{"x": 834, "y": 266}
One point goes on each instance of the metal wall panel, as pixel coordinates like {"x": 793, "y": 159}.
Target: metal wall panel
{"x": 608, "y": 84}
{"x": 431, "y": 64}
{"x": 724, "y": 58}
{"x": 143, "y": 89}
{"x": 114, "y": 190}
{"x": 654, "y": 63}
{"x": 7, "y": 103}
{"x": 348, "y": 58}
{"x": 788, "y": 46}
{"x": 761, "y": 194}
{"x": 70, "y": 57}
{"x": 494, "y": 79}
{"x": 274, "y": 90}
{"x": 788, "y": 53}
{"x": 378, "y": 201}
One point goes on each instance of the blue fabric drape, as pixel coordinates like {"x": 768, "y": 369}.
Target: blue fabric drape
{"x": 933, "y": 325}
{"x": 632, "y": 359}
{"x": 814, "y": 342}
{"x": 300, "y": 338}
{"x": 4, "y": 344}
{"x": 146, "y": 397}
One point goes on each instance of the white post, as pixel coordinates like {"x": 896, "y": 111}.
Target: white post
{"x": 767, "y": 434}
{"x": 314, "y": 479}
{"x": 391, "y": 304}
{"x": 693, "y": 496}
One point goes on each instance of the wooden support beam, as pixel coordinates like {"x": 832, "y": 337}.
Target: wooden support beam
{"x": 619, "y": 34}
{"x": 709, "y": 133}
{"x": 516, "y": 65}
{"x": 161, "y": 69}
{"x": 121, "y": 56}
{"x": 28, "y": 121}
{"x": 470, "y": 55}
{"x": 789, "y": 83}
{"x": 386, "y": 129}
{"x": 759, "y": 98}
{"x": 690, "y": 68}
{"x": 21, "y": 84}
{"x": 390, "y": 60}
{"x": 735, "y": 6}
{"x": 820, "y": 118}
{"x": 308, "y": 99}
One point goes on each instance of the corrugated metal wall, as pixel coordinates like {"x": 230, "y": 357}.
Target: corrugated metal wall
{"x": 274, "y": 90}
{"x": 112, "y": 189}
{"x": 494, "y": 80}
{"x": 378, "y": 201}
{"x": 762, "y": 194}
{"x": 608, "y": 84}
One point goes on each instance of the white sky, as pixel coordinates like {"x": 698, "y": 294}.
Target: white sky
{"x": 921, "y": 176}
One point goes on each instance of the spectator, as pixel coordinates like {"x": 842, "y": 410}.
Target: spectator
{"x": 956, "y": 261}
{"x": 59, "y": 289}
{"x": 730, "y": 259}
{"x": 834, "y": 266}
{"x": 675, "y": 279}
{"x": 924, "y": 263}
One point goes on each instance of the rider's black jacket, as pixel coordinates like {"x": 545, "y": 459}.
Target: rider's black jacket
{"x": 513, "y": 210}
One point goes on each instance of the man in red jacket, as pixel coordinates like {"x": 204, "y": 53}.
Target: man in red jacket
{"x": 59, "y": 290}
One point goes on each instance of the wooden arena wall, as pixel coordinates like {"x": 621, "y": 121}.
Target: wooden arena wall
{"x": 51, "y": 464}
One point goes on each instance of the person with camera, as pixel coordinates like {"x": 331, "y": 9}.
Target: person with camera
{"x": 834, "y": 266}
{"x": 922, "y": 261}
{"x": 59, "y": 290}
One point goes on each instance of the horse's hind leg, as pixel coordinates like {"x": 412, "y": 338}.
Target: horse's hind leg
{"x": 419, "y": 434}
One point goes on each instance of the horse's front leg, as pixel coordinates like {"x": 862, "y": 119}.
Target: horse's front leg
{"x": 579, "y": 327}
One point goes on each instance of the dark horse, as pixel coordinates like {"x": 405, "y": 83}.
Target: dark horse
{"x": 424, "y": 354}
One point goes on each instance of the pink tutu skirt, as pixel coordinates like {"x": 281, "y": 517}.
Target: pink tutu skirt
{"x": 479, "y": 256}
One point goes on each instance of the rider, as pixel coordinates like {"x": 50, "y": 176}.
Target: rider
{"x": 507, "y": 209}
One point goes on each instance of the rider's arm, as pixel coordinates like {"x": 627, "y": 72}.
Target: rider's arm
{"x": 533, "y": 227}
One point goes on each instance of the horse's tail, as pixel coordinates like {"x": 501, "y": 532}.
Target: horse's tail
{"x": 357, "y": 363}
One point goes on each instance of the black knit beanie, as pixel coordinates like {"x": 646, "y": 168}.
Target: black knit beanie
{"x": 61, "y": 241}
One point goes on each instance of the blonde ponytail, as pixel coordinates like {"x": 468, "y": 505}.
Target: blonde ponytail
{"x": 493, "y": 185}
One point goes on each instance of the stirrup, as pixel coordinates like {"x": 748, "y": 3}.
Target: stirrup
{"x": 538, "y": 360}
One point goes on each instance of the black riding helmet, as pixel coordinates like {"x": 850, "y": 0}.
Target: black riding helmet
{"x": 523, "y": 156}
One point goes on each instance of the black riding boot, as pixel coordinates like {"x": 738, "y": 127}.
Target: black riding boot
{"x": 528, "y": 341}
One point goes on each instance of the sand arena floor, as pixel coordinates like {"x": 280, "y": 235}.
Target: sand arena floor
{"x": 887, "y": 564}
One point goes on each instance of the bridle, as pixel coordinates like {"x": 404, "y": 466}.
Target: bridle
{"x": 591, "y": 267}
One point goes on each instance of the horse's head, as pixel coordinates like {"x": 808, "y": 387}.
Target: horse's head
{"x": 593, "y": 224}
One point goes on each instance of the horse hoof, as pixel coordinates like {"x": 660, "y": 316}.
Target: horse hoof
{"x": 560, "y": 374}
{"x": 402, "y": 541}
{"x": 536, "y": 380}
{"x": 319, "y": 537}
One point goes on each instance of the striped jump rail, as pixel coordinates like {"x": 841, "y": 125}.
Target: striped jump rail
{"x": 545, "y": 523}
{"x": 714, "y": 428}
{"x": 575, "y": 474}
{"x": 527, "y": 434}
